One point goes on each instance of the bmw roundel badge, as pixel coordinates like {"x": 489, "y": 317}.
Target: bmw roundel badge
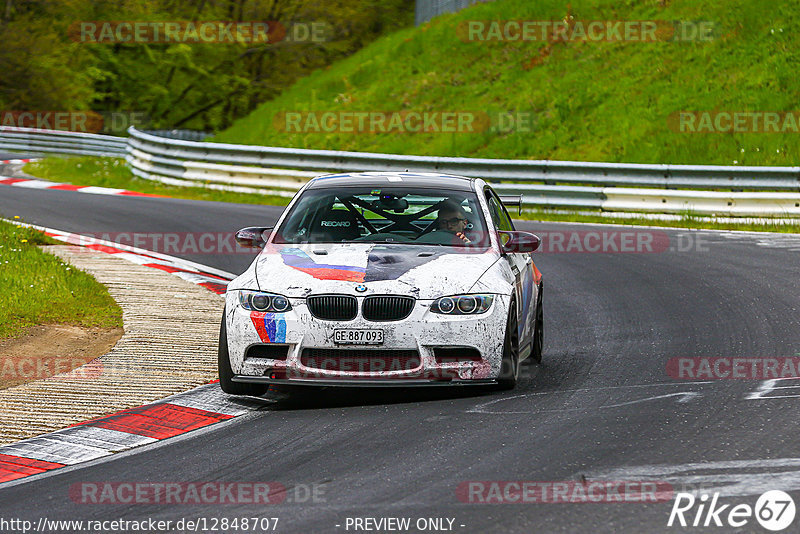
{"x": 361, "y": 288}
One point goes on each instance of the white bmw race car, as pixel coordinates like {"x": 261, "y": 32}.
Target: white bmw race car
{"x": 380, "y": 279}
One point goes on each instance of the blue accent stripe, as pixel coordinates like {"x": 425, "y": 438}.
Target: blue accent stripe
{"x": 275, "y": 325}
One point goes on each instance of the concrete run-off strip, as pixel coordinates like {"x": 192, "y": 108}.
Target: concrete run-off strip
{"x": 169, "y": 345}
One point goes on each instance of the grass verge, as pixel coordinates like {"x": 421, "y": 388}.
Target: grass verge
{"x": 615, "y": 100}
{"x": 112, "y": 172}
{"x": 39, "y": 288}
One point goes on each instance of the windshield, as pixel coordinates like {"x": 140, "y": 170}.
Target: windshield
{"x": 385, "y": 215}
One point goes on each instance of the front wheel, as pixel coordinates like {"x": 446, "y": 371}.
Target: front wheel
{"x": 509, "y": 369}
{"x": 226, "y": 373}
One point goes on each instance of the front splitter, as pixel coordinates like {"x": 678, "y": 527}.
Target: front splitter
{"x": 363, "y": 382}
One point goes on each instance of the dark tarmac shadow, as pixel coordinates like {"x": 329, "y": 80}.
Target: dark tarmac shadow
{"x": 295, "y": 397}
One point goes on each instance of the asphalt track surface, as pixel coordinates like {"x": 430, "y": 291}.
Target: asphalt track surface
{"x": 601, "y": 406}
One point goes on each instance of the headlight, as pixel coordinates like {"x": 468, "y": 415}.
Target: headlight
{"x": 463, "y": 304}
{"x": 263, "y": 302}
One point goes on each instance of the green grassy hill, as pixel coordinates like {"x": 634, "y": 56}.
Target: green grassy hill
{"x": 598, "y": 101}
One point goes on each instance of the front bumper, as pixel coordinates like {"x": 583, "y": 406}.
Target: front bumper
{"x": 422, "y": 332}
{"x": 364, "y": 382}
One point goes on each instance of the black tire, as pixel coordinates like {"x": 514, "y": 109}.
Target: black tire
{"x": 538, "y": 332}
{"x": 226, "y": 373}
{"x": 509, "y": 369}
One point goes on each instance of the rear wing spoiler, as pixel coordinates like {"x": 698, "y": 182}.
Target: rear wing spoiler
{"x": 511, "y": 201}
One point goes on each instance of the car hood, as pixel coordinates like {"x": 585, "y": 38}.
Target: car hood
{"x": 425, "y": 272}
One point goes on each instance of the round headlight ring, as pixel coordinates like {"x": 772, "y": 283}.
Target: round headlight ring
{"x": 467, "y": 304}
{"x": 260, "y": 302}
{"x": 446, "y": 305}
{"x": 279, "y": 303}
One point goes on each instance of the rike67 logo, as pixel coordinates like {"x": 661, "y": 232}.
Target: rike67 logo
{"x": 774, "y": 510}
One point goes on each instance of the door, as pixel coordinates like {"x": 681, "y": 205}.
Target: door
{"x": 521, "y": 265}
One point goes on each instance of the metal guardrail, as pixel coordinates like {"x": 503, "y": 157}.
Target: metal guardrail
{"x": 37, "y": 142}
{"x": 608, "y": 186}
{"x": 186, "y": 135}
{"x": 550, "y": 184}
{"x": 548, "y": 172}
{"x": 211, "y": 165}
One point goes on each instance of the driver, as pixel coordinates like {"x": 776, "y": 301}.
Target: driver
{"x": 452, "y": 219}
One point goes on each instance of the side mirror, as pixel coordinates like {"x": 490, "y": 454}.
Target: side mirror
{"x": 252, "y": 236}
{"x": 518, "y": 242}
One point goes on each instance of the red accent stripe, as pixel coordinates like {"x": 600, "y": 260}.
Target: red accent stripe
{"x": 14, "y": 467}
{"x": 537, "y": 275}
{"x": 323, "y": 273}
{"x": 261, "y": 328}
{"x": 159, "y": 421}
{"x": 11, "y": 181}
{"x": 67, "y": 187}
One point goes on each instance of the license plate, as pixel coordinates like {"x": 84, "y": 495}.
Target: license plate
{"x": 358, "y": 337}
